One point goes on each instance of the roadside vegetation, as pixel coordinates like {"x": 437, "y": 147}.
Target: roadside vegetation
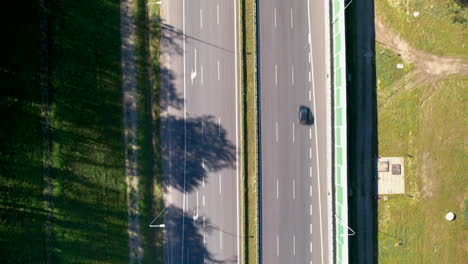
{"x": 440, "y": 27}
{"x": 422, "y": 117}
{"x": 388, "y": 72}
{"x": 89, "y": 206}
{"x": 249, "y": 184}
{"x": 87, "y": 154}
{"x": 148, "y": 86}
{"x": 428, "y": 124}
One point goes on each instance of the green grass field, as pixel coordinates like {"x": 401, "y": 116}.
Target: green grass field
{"x": 425, "y": 123}
{"x": 21, "y": 181}
{"x": 428, "y": 124}
{"x": 387, "y": 72}
{"x": 441, "y": 27}
{"x": 87, "y": 154}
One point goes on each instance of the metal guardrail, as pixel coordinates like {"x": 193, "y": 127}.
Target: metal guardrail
{"x": 340, "y": 132}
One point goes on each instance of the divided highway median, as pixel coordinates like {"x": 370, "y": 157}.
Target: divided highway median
{"x": 249, "y": 149}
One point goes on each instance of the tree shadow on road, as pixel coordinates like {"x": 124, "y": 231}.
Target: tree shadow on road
{"x": 184, "y": 238}
{"x": 170, "y": 34}
{"x": 194, "y": 147}
{"x": 190, "y": 147}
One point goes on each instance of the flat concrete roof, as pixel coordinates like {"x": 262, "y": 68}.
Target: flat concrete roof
{"x": 391, "y": 173}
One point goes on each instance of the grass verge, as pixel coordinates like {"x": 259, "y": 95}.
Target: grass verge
{"x": 249, "y": 183}
{"x": 90, "y": 214}
{"x": 427, "y": 123}
{"x": 147, "y": 52}
{"x": 387, "y": 72}
{"x": 440, "y": 28}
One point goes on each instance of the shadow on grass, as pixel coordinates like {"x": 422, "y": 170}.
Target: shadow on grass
{"x": 22, "y": 214}
{"x": 90, "y": 216}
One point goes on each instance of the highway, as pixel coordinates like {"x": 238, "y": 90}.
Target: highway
{"x": 294, "y": 157}
{"x": 199, "y": 131}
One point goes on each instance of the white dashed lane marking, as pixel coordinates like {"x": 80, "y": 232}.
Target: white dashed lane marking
{"x": 277, "y": 245}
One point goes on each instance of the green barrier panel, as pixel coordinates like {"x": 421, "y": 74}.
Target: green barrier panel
{"x": 340, "y": 140}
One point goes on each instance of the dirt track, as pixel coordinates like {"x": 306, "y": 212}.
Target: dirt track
{"x": 432, "y": 66}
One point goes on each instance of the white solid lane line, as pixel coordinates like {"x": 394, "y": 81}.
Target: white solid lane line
{"x": 203, "y": 200}
{"x": 316, "y": 134}
{"x": 237, "y": 132}
{"x": 310, "y": 95}
{"x": 310, "y": 153}
{"x": 310, "y": 133}
{"x": 310, "y": 229}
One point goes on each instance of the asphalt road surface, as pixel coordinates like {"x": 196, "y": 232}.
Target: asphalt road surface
{"x": 293, "y": 72}
{"x": 199, "y": 131}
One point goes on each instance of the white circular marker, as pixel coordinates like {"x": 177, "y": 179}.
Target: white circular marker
{"x": 450, "y": 216}
{"x": 415, "y": 13}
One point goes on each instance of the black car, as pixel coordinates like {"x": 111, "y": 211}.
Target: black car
{"x": 305, "y": 115}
